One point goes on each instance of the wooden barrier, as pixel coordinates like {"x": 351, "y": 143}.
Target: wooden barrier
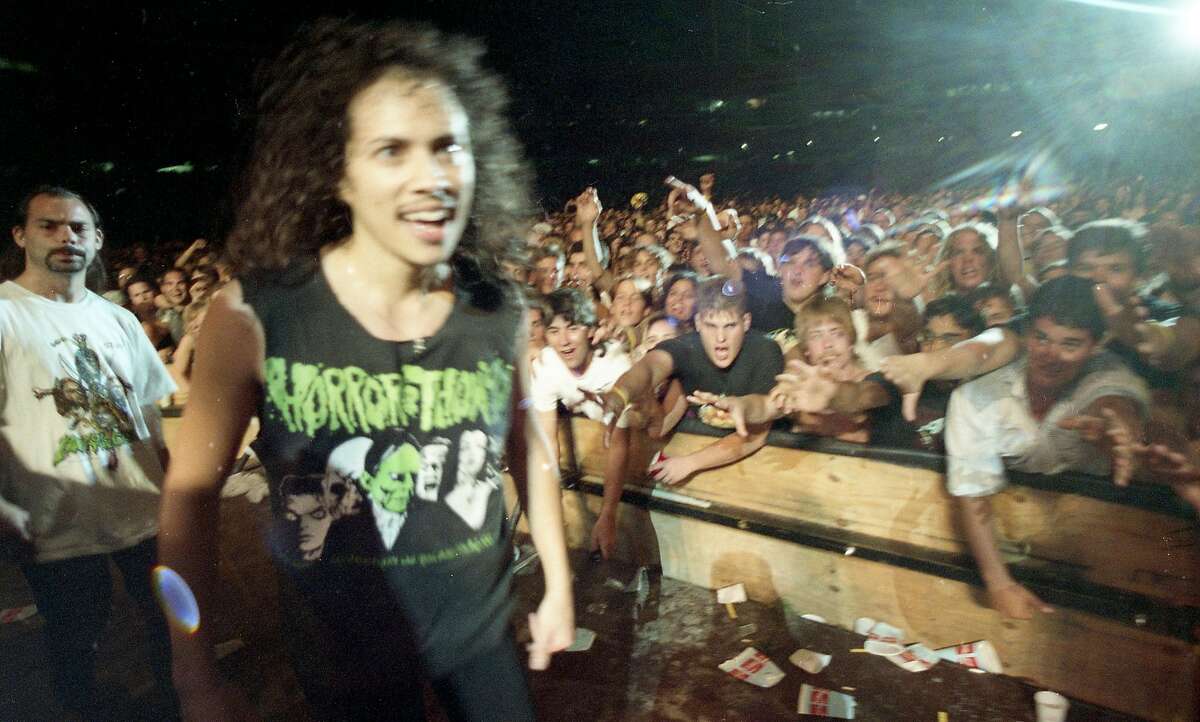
{"x": 1107, "y": 543}
{"x": 845, "y": 537}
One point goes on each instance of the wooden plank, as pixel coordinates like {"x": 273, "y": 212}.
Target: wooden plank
{"x": 1085, "y": 656}
{"x": 1158, "y": 555}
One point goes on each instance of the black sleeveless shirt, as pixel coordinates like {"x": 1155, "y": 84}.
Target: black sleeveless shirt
{"x": 384, "y": 462}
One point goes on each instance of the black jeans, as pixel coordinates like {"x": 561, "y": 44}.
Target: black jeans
{"x": 74, "y": 597}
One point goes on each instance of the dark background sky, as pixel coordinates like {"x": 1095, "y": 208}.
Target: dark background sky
{"x": 101, "y": 95}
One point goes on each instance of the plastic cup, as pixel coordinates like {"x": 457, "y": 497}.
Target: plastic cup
{"x": 1051, "y": 706}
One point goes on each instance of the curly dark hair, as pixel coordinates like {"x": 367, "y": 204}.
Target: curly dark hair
{"x": 288, "y": 206}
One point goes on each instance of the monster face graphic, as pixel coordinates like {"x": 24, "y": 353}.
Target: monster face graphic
{"x": 433, "y": 463}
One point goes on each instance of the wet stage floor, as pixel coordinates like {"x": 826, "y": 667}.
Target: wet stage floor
{"x": 655, "y": 655}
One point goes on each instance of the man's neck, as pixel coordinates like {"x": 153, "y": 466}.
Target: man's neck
{"x": 1040, "y": 400}
{"x": 62, "y": 287}
{"x": 795, "y": 306}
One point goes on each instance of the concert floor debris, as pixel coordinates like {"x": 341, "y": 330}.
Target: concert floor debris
{"x": 655, "y": 654}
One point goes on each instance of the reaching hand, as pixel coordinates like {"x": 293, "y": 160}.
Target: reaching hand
{"x": 848, "y": 279}
{"x": 552, "y": 628}
{"x": 604, "y": 534}
{"x": 672, "y": 471}
{"x": 1016, "y": 602}
{"x": 1112, "y": 432}
{"x": 733, "y": 405}
{"x": 587, "y": 208}
{"x": 803, "y": 390}
{"x": 1173, "y": 468}
{"x": 909, "y": 373}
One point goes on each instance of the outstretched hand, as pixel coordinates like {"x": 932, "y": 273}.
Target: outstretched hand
{"x": 1114, "y": 434}
{"x": 909, "y": 373}
{"x": 804, "y": 389}
{"x": 735, "y": 406}
{"x": 1016, "y": 602}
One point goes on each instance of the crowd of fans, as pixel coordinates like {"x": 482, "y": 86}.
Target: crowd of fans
{"x": 862, "y": 318}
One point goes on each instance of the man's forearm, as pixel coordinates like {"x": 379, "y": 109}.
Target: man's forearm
{"x": 853, "y": 397}
{"x": 731, "y": 449}
{"x": 636, "y": 382}
{"x": 757, "y": 410}
{"x": 614, "y": 470}
{"x": 593, "y": 253}
{"x": 976, "y": 356}
{"x": 976, "y": 515}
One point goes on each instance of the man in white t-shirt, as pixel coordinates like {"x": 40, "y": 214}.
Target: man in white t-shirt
{"x": 1066, "y": 404}
{"x": 81, "y": 451}
{"x": 574, "y": 371}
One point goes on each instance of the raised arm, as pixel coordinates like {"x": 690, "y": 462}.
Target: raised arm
{"x": 712, "y": 240}
{"x": 587, "y": 216}
{"x": 1010, "y": 257}
{"x": 225, "y": 386}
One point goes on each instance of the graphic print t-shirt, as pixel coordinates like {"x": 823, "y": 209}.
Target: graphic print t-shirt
{"x": 75, "y": 450}
{"x": 384, "y": 460}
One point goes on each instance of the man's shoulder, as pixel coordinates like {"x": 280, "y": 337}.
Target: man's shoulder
{"x": 984, "y": 390}
{"x": 761, "y": 345}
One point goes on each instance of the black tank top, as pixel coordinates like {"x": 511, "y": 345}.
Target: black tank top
{"x": 384, "y": 462}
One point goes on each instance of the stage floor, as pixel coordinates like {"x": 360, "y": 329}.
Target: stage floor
{"x": 655, "y": 655}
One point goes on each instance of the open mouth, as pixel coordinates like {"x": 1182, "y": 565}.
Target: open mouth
{"x": 429, "y": 225}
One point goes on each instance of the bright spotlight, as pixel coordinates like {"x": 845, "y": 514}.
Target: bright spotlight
{"x": 1015, "y": 134}
{"x": 1188, "y": 26}
{"x": 1100, "y": 126}
{"x": 745, "y": 146}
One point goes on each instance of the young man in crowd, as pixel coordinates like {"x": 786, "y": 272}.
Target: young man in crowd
{"x": 575, "y": 372}
{"x": 81, "y": 451}
{"x": 724, "y": 357}
{"x": 172, "y": 299}
{"x": 1065, "y": 404}
{"x": 547, "y": 272}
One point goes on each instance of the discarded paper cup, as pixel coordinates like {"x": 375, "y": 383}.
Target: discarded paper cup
{"x": 975, "y": 655}
{"x": 814, "y": 618}
{"x": 825, "y": 702}
{"x": 915, "y": 658}
{"x": 810, "y": 661}
{"x": 657, "y": 458}
{"x": 754, "y": 667}
{"x": 863, "y": 625}
{"x": 884, "y": 640}
{"x": 1051, "y": 706}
